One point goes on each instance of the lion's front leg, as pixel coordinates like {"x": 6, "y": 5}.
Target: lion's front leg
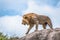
{"x": 30, "y": 27}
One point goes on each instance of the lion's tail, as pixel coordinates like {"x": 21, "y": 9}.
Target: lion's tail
{"x": 49, "y": 22}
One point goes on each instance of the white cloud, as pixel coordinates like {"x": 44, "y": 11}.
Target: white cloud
{"x": 12, "y": 25}
{"x": 33, "y": 7}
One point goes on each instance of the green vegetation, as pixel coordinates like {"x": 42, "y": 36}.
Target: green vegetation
{"x": 5, "y": 37}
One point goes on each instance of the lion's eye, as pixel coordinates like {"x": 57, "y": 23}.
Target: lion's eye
{"x": 25, "y": 17}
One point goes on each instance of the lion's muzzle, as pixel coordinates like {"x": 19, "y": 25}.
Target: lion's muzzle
{"x": 24, "y": 21}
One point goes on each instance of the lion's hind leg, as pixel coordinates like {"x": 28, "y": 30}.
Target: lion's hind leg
{"x": 44, "y": 25}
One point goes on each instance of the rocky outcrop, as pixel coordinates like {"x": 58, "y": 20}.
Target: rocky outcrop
{"x": 45, "y": 34}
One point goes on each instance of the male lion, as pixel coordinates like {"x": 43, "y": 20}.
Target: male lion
{"x": 32, "y": 19}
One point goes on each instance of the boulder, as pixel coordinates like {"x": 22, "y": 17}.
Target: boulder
{"x": 45, "y": 34}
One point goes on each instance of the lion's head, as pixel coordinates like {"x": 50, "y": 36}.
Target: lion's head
{"x": 28, "y": 18}
{"x": 25, "y": 19}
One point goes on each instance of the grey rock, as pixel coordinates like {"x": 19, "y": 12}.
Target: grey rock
{"x": 45, "y": 34}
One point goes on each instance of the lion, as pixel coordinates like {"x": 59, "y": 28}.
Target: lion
{"x": 32, "y": 19}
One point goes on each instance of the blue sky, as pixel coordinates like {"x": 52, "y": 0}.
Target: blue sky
{"x": 12, "y": 7}
{"x": 48, "y": 2}
{"x": 11, "y": 12}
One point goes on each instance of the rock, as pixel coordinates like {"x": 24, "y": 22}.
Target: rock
{"x": 54, "y": 36}
{"x": 45, "y": 34}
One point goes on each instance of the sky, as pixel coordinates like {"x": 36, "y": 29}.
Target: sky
{"x": 11, "y": 12}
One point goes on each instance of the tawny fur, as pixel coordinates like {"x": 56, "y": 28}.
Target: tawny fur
{"x": 32, "y": 19}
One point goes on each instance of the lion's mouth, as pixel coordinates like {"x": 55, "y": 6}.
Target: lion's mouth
{"x": 23, "y": 23}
